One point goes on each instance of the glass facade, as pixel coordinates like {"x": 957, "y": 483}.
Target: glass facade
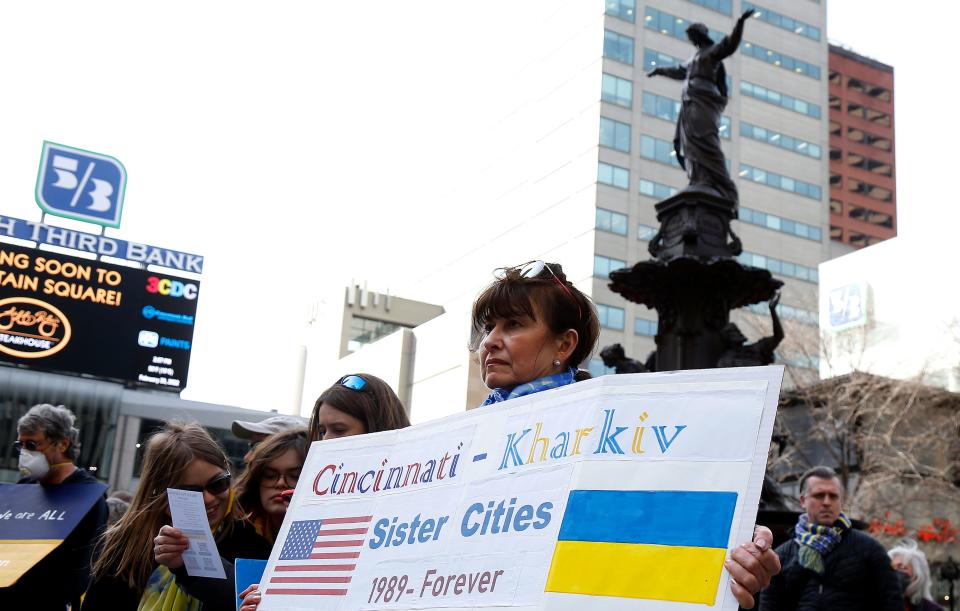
{"x": 613, "y": 175}
{"x": 645, "y": 327}
{"x": 782, "y": 21}
{"x": 671, "y": 25}
{"x": 618, "y": 47}
{"x": 778, "y": 266}
{"x": 610, "y": 317}
{"x": 614, "y": 134}
{"x": 776, "y": 58}
{"x": 365, "y": 331}
{"x": 617, "y": 91}
{"x": 622, "y": 9}
{"x": 784, "y": 311}
{"x": 796, "y": 145}
{"x": 778, "y": 181}
{"x": 656, "y": 189}
{"x": 721, "y": 6}
{"x": 611, "y": 222}
{"x": 658, "y": 150}
{"x": 602, "y": 266}
{"x": 778, "y": 223}
{"x": 646, "y": 232}
{"x": 779, "y": 99}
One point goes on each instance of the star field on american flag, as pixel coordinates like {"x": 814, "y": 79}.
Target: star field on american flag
{"x": 300, "y": 540}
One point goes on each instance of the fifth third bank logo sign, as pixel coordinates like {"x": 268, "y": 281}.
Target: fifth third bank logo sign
{"x": 81, "y": 185}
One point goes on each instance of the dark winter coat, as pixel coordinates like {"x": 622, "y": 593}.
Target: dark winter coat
{"x": 857, "y": 577}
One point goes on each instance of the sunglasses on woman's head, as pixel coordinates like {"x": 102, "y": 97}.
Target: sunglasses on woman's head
{"x": 217, "y": 485}
{"x": 533, "y": 269}
{"x": 353, "y": 382}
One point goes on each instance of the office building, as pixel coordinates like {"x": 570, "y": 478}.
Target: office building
{"x": 863, "y": 184}
{"x": 579, "y": 149}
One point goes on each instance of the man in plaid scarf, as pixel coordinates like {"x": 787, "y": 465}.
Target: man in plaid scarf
{"x": 828, "y": 564}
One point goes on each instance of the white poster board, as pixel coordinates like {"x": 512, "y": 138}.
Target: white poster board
{"x": 623, "y": 492}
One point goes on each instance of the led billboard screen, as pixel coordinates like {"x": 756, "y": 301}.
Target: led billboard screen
{"x": 81, "y": 316}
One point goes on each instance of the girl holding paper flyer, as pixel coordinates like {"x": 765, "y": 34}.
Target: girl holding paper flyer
{"x": 138, "y": 568}
{"x": 532, "y": 328}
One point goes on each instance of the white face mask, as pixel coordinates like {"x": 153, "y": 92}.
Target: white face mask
{"x": 33, "y": 464}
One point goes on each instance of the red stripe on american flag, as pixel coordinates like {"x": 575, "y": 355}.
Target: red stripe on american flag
{"x": 316, "y": 567}
{"x": 341, "y": 531}
{"x": 334, "y": 555}
{"x": 347, "y": 520}
{"x": 307, "y": 591}
{"x": 310, "y": 579}
{"x": 347, "y": 543}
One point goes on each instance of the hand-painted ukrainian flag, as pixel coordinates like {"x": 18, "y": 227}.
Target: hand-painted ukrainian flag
{"x": 651, "y": 544}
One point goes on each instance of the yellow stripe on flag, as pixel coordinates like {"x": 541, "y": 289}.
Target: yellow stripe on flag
{"x": 629, "y": 570}
{"x": 18, "y": 555}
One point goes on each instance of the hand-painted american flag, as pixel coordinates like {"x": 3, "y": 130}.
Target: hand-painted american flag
{"x": 319, "y": 556}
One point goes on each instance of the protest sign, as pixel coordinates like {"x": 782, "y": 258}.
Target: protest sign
{"x": 35, "y": 519}
{"x": 623, "y": 492}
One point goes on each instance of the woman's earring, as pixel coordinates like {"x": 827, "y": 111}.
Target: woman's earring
{"x": 556, "y": 362}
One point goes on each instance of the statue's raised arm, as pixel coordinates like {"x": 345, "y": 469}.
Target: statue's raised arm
{"x": 697, "y": 138}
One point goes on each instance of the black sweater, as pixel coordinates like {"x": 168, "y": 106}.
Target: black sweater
{"x": 857, "y": 577}
{"x": 113, "y": 594}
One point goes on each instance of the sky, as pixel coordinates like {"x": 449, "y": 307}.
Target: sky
{"x": 294, "y": 145}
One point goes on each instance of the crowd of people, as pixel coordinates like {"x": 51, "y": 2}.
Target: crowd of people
{"x": 532, "y": 330}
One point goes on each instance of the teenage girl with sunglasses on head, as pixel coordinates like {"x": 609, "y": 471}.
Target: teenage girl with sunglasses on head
{"x": 355, "y": 405}
{"x": 139, "y": 569}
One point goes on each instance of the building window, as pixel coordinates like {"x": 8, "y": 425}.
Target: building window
{"x": 778, "y": 223}
{"x": 836, "y": 180}
{"x": 617, "y": 47}
{"x": 777, "y": 181}
{"x": 646, "y": 232}
{"x": 835, "y": 77}
{"x": 668, "y": 109}
{"x": 602, "y": 266}
{"x": 645, "y": 327}
{"x": 671, "y": 25}
{"x": 861, "y": 162}
{"x": 657, "y": 190}
{"x": 782, "y": 21}
{"x": 721, "y": 6}
{"x": 874, "y": 91}
{"x": 617, "y": 90}
{"x": 781, "y": 60}
{"x": 836, "y": 154}
{"x": 614, "y": 134}
{"x": 856, "y": 134}
{"x": 836, "y": 206}
{"x": 835, "y": 129}
{"x": 365, "y": 331}
{"x": 873, "y": 191}
{"x": 836, "y": 233}
{"x": 658, "y": 150}
{"x": 613, "y": 175}
{"x": 610, "y": 317}
{"x": 777, "y": 266}
{"x": 868, "y": 114}
{"x": 784, "y": 141}
{"x": 880, "y": 219}
{"x": 613, "y": 222}
{"x": 622, "y": 9}
{"x": 780, "y": 99}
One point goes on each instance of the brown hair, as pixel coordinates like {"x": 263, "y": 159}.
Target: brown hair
{"x": 376, "y": 405}
{"x": 561, "y": 305}
{"x": 128, "y": 545}
{"x": 278, "y": 444}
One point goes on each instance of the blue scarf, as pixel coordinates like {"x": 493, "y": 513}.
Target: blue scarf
{"x": 816, "y": 540}
{"x": 545, "y": 383}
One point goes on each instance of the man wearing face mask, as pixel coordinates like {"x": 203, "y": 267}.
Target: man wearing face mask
{"x": 49, "y": 446}
{"x": 827, "y": 564}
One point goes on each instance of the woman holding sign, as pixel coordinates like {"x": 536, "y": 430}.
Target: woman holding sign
{"x": 532, "y": 328}
{"x": 137, "y": 568}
